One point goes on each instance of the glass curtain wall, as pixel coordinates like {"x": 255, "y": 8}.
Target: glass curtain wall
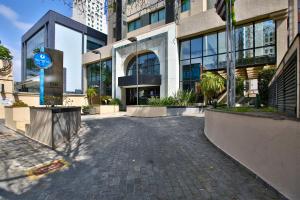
{"x": 93, "y": 77}
{"x": 148, "y": 65}
{"x": 255, "y": 45}
{"x": 34, "y": 43}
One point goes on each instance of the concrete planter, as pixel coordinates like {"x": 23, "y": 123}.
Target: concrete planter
{"x": 54, "y": 126}
{"x": 162, "y": 111}
{"x": 146, "y": 111}
{"x": 108, "y": 109}
{"x": 17, "y": 118}
{"x": 266, "y": 146}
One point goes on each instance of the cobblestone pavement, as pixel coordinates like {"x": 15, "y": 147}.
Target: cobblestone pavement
{"x": 129, "y": 158}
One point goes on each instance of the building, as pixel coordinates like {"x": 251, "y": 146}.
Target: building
{"x": 56, "y": 31}
{"x": 92, "y": 13}
{"x": 176, "y": 40}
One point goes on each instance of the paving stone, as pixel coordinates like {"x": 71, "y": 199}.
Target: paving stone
{"x": 122, "y": 158}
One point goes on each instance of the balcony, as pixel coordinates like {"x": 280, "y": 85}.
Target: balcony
{"x": 143, "y": 80}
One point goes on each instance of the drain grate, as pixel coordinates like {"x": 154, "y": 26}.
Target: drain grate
{"x": 47, "y": 168}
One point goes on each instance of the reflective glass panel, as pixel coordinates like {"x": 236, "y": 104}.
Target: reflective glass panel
{"x": 210, "y": 44}
{"x": 210, "y": 62}
{"x": 265, "y": 33}
{"x": 244, "y": 37}
{"x": 196, "y": 47}
{"x": 185, "y": 50}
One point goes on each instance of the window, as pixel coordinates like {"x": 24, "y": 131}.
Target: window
{"x": 148, "y": 65}
{"x": 91, "y": 45}
{"x": 136, "y": 24}
{"x": 255, "y": 45}
{"x": 185, "y": 5}
{"x": 93, "y": 76}
{"x": 34, "y": 43}
{"x": 211, "y": 4}
{"x": 157, "y": 16}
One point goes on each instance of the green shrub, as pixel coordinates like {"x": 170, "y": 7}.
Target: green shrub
{"x": 264, "y": 78}
{"x": 105, "y": 100}
{"x": 19, "y": 103}
{"x": 181, "y": 98}
{"x": 115, "y": 101}
{"x": 185, "y": 98}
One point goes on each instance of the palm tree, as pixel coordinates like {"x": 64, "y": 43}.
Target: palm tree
{"x": 211, "y": 85}
{"x": 91, "y": 92}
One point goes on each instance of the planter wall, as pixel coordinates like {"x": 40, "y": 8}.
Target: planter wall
{"x": 107, "y": 109}
{"x": 268, "y": 147}
{"x": 156, "y": 111}
{"x": 17, "y": 118}
{"x": 146, "y": 111}
{"x": 54, "y": 126}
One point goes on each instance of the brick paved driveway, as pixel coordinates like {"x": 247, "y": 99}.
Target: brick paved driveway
{"x": 130, "y": 158}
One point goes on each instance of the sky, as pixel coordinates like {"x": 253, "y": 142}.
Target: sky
{"x": 17, "y": 16}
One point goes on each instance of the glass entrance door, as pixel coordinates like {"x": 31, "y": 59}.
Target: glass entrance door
{"x": 144, "y": 94}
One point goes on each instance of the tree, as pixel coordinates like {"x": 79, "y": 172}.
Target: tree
{"x": 91, "y": 92}
{"x": 211, "y": 85}
{"x": 5, "y": 53}
{"x": 264, "y": 78}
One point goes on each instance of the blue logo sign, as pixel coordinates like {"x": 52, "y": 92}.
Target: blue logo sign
{"x": 42, "y": 60}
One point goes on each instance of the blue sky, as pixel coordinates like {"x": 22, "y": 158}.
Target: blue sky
{"x": 17, "y": 16}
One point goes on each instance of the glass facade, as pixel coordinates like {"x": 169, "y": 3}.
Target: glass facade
{"x": 34, "y": 43}
{"x": 255, "y": 45}
{"x": 93, "y": 76}
{"x": 91, "y": 45}
{"x": 148, "y": 65}
{"x": 157, "y": 16}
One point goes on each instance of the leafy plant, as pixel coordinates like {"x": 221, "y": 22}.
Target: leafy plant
{"x": 239, "y": 86}
{"x": 264, "y": 77}
{"x": 211, "y": 85}
{"x": 19, "y": 103}
{"x": 115, "y": 101}
{"x": 91, "y": 92}
{"x": 5, "y": 54}
{"x": 105, "y": 99}
{"x": 185, "y": 98}
{"x": 180, "y": 98}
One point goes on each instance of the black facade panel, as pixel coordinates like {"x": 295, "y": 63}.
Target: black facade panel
{"x": 143, "y": 80}
{"x": 119, "y": 20}
{"x": 170, "y": 11}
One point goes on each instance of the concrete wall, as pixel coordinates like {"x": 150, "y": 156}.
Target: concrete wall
{"x": 17, "y": 118}
{"x": 146, "y": 111}
{"x": 55, "y": 125}
{"x": 268, "y": 147}
{"x": 163, "y": 43}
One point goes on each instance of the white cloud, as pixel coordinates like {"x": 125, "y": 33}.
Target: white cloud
{"x": 12, "y": 16}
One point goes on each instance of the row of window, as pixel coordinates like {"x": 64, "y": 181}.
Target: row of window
{"x": 93, "y": 76}
{"x": 254, "y": 43}
{"x": 155, "y": 17}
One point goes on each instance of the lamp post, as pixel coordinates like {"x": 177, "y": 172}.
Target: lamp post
{"x": 134, "y": 39}
{"x": 98, "y": 52}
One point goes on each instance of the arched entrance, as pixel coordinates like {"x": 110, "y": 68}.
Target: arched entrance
{"x": 149, "y": 78}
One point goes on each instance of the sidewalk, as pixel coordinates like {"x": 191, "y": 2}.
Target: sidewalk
{"x": 18, "y": 154}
